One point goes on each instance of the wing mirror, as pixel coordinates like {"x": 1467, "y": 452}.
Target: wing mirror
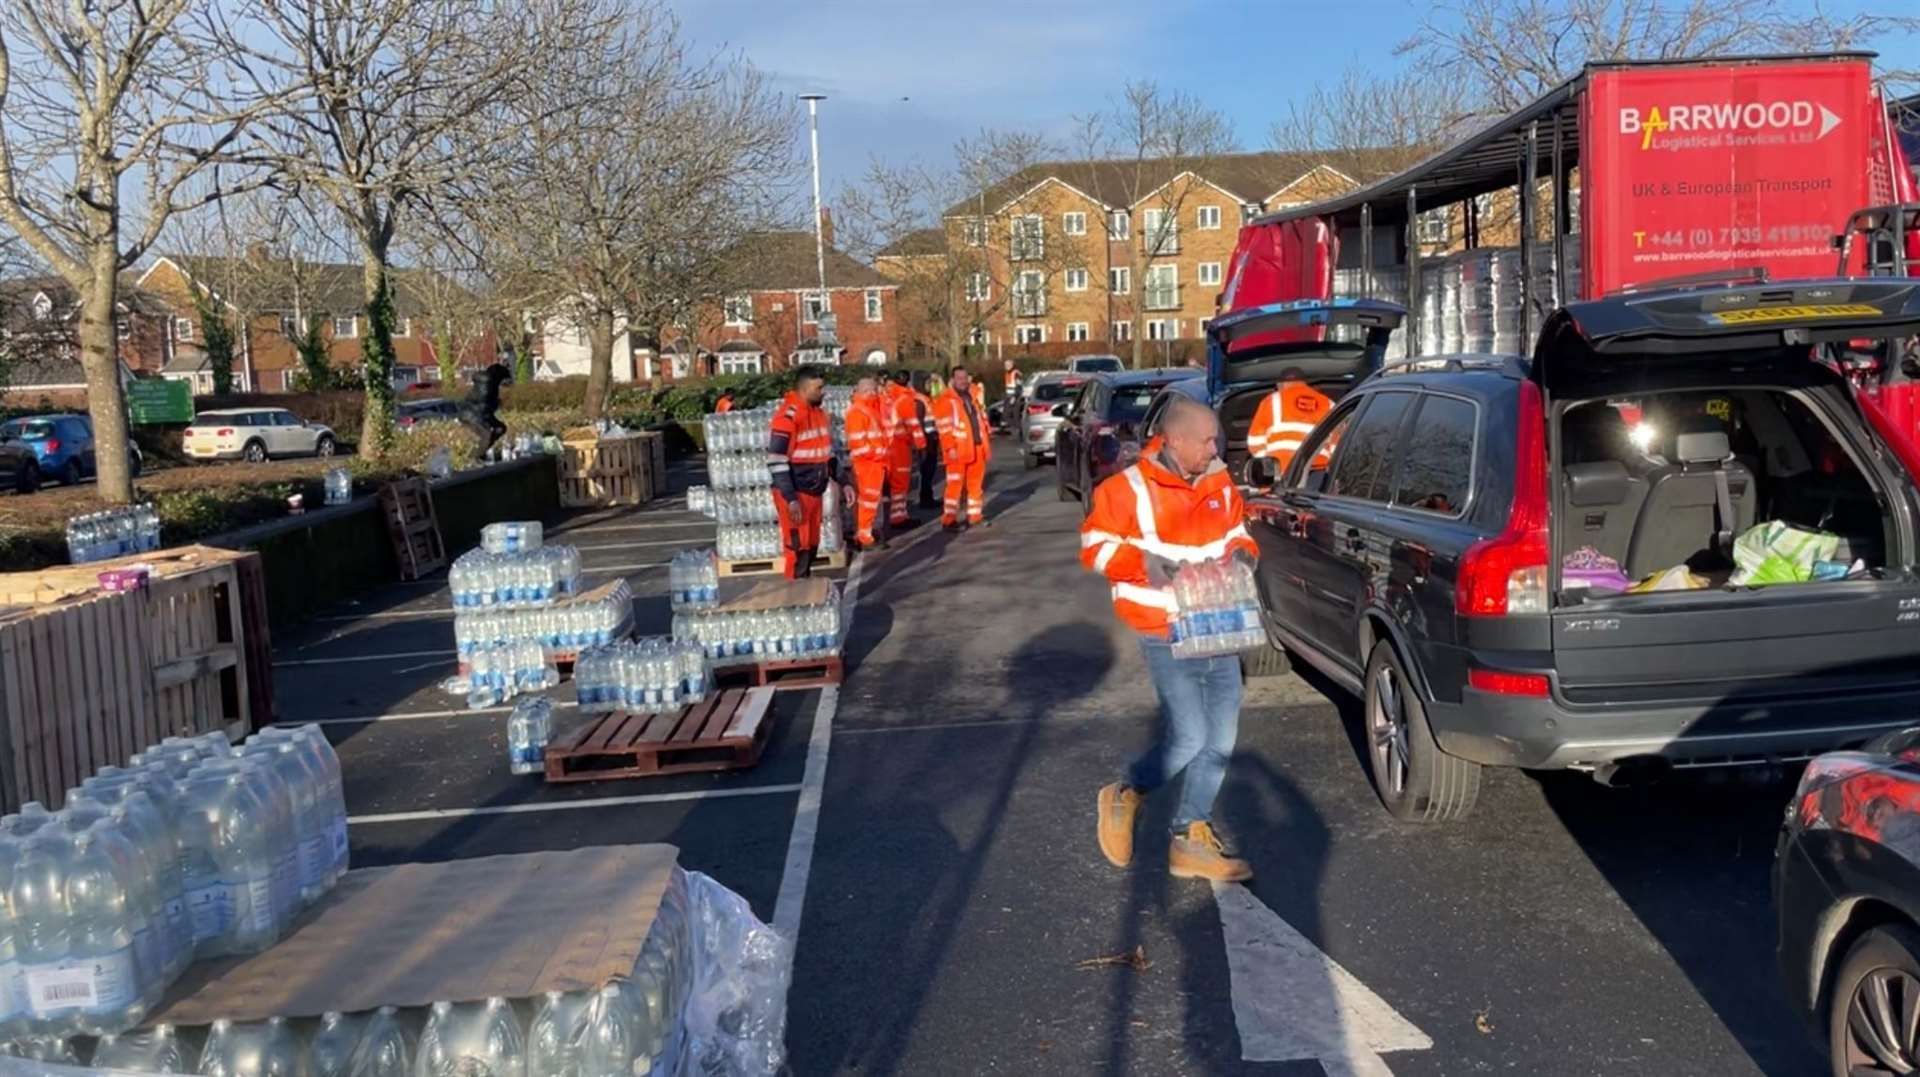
{"x": 1260, "y": 472}
{"x": 1060, "y": 410}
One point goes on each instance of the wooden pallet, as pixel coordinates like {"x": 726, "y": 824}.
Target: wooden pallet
{"x": 726, "y": 731}
{"x": 790, "y": 673}
{"x": 603, "y": 472}
{"x": 413, "y": 528}
{"x": 765, "y": 565}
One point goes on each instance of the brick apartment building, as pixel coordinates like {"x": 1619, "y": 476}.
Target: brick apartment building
{"x": 282, "y": 297}
{"x": 40, "y": 324}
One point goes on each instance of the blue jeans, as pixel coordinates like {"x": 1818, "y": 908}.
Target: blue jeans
{"x": 1200, "y": 717}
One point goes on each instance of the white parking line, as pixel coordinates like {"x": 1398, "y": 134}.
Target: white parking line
{"x": 411, "y": 716}
{"x": 390, "y": 656}
{"x": 603, "y": 570}
{"x": 444, "y": 611}
{"x": 570, "y": 805}
{"x": 594, "y": 529}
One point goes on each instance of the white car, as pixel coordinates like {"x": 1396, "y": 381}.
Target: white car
{"x": 1095, "y": 364}
{"x": 255, "y": 434}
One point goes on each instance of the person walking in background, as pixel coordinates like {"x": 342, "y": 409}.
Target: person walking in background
{"x": 930, "y": 456}
{"x": 869, "y": 442}
{"x": 1010, "y": 395}
{"x": 964, "y": 445}
{"x": 1176, "y": 506}
{"x": 799, "y": 450}
{"x": 909, "y": 436}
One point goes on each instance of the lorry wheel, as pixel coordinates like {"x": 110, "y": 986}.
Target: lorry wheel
{"x": 1415, "y": 780}
{"x": 1268, "y": 661}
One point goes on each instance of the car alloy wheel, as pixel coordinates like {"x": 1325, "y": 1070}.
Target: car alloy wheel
{"x": 324, "y": 447}
{"x": 73, "y": 474}
{"x": 1883, "y": 1024}
{"x": 1387, "y": 730}
{"x": 255, "y": 452}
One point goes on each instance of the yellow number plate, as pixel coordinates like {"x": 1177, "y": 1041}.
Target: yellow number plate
{"x": 1794, "y": 314}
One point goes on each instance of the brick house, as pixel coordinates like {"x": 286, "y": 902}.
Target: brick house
{"x": 282, "y": 297}
{"x": 39, "y": 329}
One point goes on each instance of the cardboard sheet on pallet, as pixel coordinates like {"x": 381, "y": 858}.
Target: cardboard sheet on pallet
{"x": 745, "y": 596}
{"x": 67, "y": 581}
{"x": 464, "y": 930}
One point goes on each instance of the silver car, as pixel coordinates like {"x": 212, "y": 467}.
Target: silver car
{"x": 1038, "y": 423}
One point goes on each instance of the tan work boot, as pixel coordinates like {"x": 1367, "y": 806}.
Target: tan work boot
{"x": 1118, "y": 806}
{"x": 1199, "y": 855}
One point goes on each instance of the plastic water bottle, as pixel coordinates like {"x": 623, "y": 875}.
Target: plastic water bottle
{"x": 227, "y": 839}
{"x": 471, "y": 1039}
{"x": 618, "y": 1030}
{"x": 15, "y": 1018}
{"x": 100, "y": 977}
{"x": 360, "y": 1045}
{"x": 554, "y": 1036}
{"x": 256, "y": 1049}
{"x": 282, "y": 849}
{"x": 529, "y": 728}
{"x": 38, "y": 896}
{"x": 339, "y": 486}
{"x": 132, "y": 802}
{"x": 325, "y": 763}
{"x": 155, "y": 1050}
{"x": 312, "y": 822}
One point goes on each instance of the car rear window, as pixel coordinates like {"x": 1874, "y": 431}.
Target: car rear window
{"x": 37, "y": 429}
{"x": 1052, "y": 392}
{"x": 1130, "y": 403}
{"x": 1437, "y": 471}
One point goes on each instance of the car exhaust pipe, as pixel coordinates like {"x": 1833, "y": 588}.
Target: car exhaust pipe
{"x": 1634, "y": 770}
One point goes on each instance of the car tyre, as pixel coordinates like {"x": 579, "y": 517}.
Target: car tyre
{"x": 73, "y": 474}
{"x": 324, "y": 447}
{"x": 1032, "y": 459}
{"x": 135, "y": 463}
{"x": 29, "y": 481}
{"x": 1268, "y": 661}
{"x": 255, "y": 452}
{"x": 1874, "y": 1006}
{"x": 1415, "y": 780}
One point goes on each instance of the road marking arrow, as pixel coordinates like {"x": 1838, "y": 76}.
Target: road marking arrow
{"x": 1291, "y": 1001}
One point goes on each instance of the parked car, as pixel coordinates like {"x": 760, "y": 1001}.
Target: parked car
{"x": 410, "y": 412}
{"x": 1095, "y": 364}
{"x": 62, "y": 445}
{"x": 255, "y": 434}
{"x": 1452, "y": 540}
{"x": 1846, "y": 892}
{"x": 1103, "y": 427}
{"x": 19, "y": 466}
{"x": 1036, "y": 420}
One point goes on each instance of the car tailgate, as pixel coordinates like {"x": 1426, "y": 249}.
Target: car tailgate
{"x": 1791, "y": 640}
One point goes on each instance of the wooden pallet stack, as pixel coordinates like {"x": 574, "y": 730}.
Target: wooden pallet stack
{"x": 726, "y": 731}
{"x": 604, "y": 472}
{"x": 767, "y": 565}
{"x": 407, "y": 506}
{"x": 760, "y": 595}
{"x": 89, "y": 677}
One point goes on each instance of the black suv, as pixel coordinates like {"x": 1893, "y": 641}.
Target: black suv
{"x": 1452, "y": 541}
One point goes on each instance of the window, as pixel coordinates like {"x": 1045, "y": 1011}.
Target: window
{"x": 183, "y": 329}
{"x": 286, "y": 381}
{"x": 1436, "y": 471}
{"x": 679, "y": 366}
{"x": 877, "y": 357}
{"x": 813, "y": 305}
{"x": 1209, "y": 273}
{"x": 1160, "y": 232}
{"x": 1029, "y": 294}
{"x": 1029, "y": 238}
{"x": 1076, "y": 280}
{"x": 1120, "y": 280}
{"x": 122, "y": 329}
{"x": 873, "y": 304}
{"x": 730, "y": 363}
{"x": 1029, "y": 334}
{"x": 1249, "y": 211}
{"x": 403, "y": 327}
{"x": 1122, "y": 331}
{"x": 978, "y": 337}
{"x": 1364, "y": 464}
{"x": 346, "y": 325}
{"x": 738, "y": 309}
{"x": 1073, "y": 224}
{"x": 1163, "y": 328}
{"x": 1117, "y": 224}
{"x": 289, "y": 327}
{"x": 978, "y": 289}
{"x": 1163, "y": 287}
{"x": 1207, "y": 218}
{"x": 1434, "y": 226}
{"x": 1320, "y": 447}
{"x": 975, "y": 231}
{"x": 1077, "y": 332}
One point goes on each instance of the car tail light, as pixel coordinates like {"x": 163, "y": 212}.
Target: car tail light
{"x": 1507, "y": 574}
{"x": 225, "y": 431}
{"x": 1038, "y": 409}
{"x": 1507, "y": 684}
{"x": 51, "y": 444}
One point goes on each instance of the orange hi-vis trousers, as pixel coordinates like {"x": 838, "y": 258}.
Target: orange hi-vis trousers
{"x": 868, "y": 475}
{"x": 899, "y": 480}
{"x": 969, "y": 479}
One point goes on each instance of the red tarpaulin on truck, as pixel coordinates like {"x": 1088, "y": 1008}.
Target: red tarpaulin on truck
{"x": 1700, "y": 168}
{"x": 1277, "y": 263}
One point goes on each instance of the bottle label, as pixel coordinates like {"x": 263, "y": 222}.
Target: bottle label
{"x": 101, "y": 984}
{"x": 211, "y": 908}
{"x": 316, "y": 858}
{"x": 148, "y": 953}
{"x": 260, "y": 910}
{"x": 529, "y": 754}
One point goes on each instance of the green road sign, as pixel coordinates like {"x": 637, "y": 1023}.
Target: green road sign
{"x": 159, "y": 400}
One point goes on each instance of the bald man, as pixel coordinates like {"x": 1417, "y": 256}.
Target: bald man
{"x": 1174, "y": 508}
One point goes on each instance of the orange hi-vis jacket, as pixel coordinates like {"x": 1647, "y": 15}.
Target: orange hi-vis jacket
{"x": 962, "y": 423}
{"x": 1284, "y": 420}
{"x": 902, "y": 402}
{"x": 979, "y": 396}
{"x": 799, "y": 444}
{"x": 1148, "y": 509}
{"x": 869, "y": 431}
{"x": 1012, "y": 380}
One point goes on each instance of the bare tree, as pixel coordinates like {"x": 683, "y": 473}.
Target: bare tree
{"x": 621, "y": 214}
{"x": 445, "y": 281}
{"x": 93, "y": 96}
{"x": 405, "y": 92}
{"x": 1371, "y": 125}
{"x": 1151, "y": 145}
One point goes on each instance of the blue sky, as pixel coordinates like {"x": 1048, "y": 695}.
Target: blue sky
{"x": 908, "y": 77}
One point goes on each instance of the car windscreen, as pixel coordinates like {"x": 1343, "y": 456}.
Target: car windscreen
{"x": 1099, "y": 366}
{"x": 1053, "y": 392}
{"x": 1130, "y": 402}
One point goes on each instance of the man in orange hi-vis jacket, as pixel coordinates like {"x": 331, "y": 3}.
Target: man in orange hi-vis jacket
{"x": 1284, "y": 420}
{"x": 964, "y": 444}
{"x": 909, "y": 437}
{"x": 799, "y": 452}
{"x": 1175, "y": 507}
{"x": 869, "y": 437}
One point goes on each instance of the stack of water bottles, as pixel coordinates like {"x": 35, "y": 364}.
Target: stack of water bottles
{"x": 700, "y": 499}
{"x": 480, "y": 579}
{"x": 529, "y": 728}
{"x": 1218, "y": 610}
{"x": 196, "y": 849}
{"x": 497, "y": 672}
{"x": 753, "y": 506}
{"x": 339, "y": 486}
{"x": 836, "y": 403}
{"x": 645, "y": 675}
{"x": 592, "y": 619}
{"x": 693, "y": 580}
{"x": 747, "y": 542}
{"x": 512, "y": 536}
{"x": 735, "y": 636}
{"x": 113, "y": 533}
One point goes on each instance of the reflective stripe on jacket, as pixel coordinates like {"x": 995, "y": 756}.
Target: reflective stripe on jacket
{"x": 1148, "y": 509}
{"x": 799, "y": 444}
{"x": 1284, "y": 420}
{"x": 869, "y": 431}
{"x": 907, "y": 426}
{"x": 963, "y": 428}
